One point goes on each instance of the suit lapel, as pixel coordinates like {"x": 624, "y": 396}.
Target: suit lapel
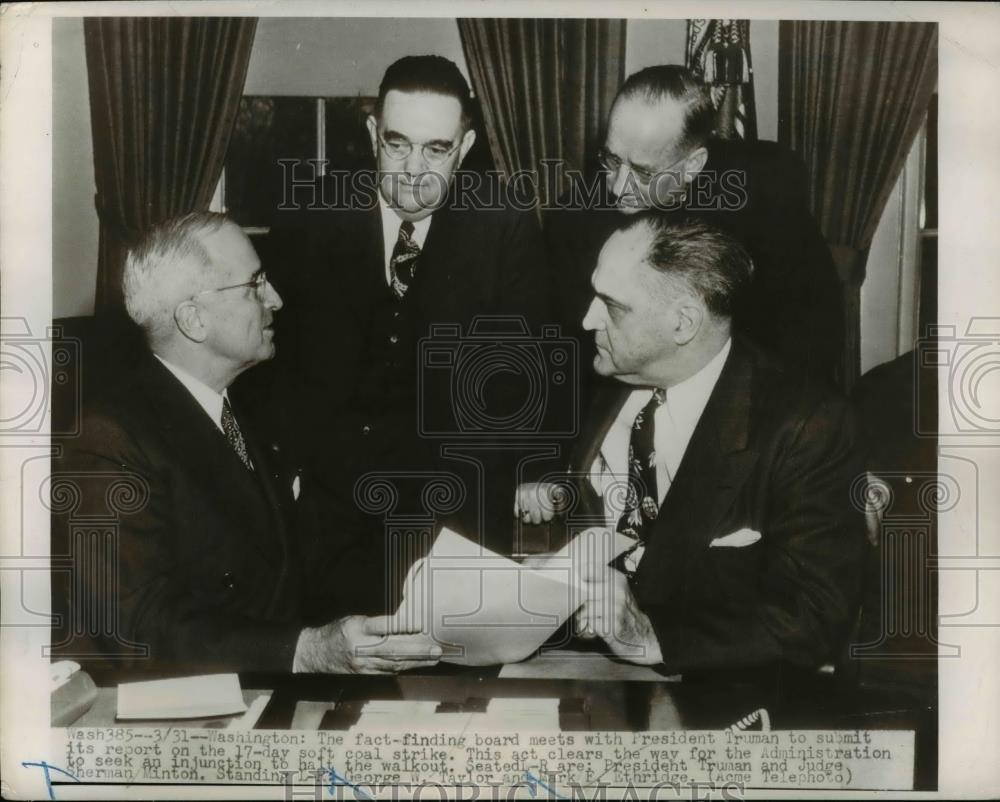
{"x": 206, "y": 453}
{"x": 715, "y": 466}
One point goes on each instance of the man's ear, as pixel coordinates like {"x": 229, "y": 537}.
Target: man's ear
{"x": 690, "y": 316}
{"x": 695, "y": 163}
{"x": 372, "y": 124}
{"x": 189, "y": 321}
{"x": 468, "y": 140}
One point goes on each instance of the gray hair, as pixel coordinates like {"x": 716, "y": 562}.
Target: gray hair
{"x": 707, "y": 260}
{"x": 168, "y": 264}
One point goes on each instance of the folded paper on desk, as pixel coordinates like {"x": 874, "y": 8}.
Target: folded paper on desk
{"x": 485, "y": 609}
{"x": 183, "y": 697}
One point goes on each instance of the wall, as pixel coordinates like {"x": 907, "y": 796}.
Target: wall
{"x": 309, "y": 56}
{"x": 74, "y": 218}
{"x": 890, "y": 292}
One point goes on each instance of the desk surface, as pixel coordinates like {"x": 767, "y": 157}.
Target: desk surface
{"x": 792, "y": 701}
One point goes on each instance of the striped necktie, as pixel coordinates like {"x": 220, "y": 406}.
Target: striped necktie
{"x": 234, "y": 435}
{"x": 404, "y": 260}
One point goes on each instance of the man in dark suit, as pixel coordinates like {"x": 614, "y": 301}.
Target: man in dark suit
{"x": 206, "y": 561}
{"x": 660, "y": 153}
{"x": 371, "y": 269}
{"x": 730, "y": 473}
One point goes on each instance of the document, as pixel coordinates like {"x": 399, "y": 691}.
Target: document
{"x": 485, "y": 609}
{"x": 183, "y": 697}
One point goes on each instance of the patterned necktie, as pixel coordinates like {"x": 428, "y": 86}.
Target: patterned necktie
{"x": 404, "y": 260}
{"x": 642, "y": 501}
{"x": 234, "y": 435}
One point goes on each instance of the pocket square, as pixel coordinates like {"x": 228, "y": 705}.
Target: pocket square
{"x": 738, "y": 539}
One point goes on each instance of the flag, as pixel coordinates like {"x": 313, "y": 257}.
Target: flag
{"x": 718, "y": 51}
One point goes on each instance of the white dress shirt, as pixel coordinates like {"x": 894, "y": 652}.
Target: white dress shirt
{"x": 207, "y": 398}
{"x": 390, "y": 232}
{"x": 673, "y": 424}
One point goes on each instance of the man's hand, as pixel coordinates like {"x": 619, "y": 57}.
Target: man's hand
{"x": 610, "y": 612}
{"x": 359, "y": 644}
{"x": 537, "y": 502}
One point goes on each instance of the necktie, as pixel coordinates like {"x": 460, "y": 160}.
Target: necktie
{"x": 233, "y": 434}
{"x": 404, "y": 260}
{"x": 642, "y": 500}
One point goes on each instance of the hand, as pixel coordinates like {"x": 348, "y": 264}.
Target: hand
{"x": 610, "y": 611}
{"x": 359, "y": 644}
{"x": 537, "y": 502}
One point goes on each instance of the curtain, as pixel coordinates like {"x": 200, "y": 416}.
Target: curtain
{"x": 852, "y": 97}
{"x": 545, "y": 87}
{"x": 164, "y": 94}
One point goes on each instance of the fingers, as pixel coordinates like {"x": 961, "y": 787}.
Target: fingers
{"x": 389, "y": 625}
{"x": 401, "y": 647}
{"x": 380, "y": 665}
{"x": 583, "y": 624}
{"x": 533, "y": 502}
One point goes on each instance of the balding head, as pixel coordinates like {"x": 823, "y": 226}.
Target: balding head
{"x": 659, "y": 126}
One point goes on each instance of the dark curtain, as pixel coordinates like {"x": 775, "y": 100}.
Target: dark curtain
{"x": 163, "y": 97}
{"x": 545, "y": 87}
{"x": 852, "y": 96}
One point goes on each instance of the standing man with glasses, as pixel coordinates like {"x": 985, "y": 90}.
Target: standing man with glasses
{"x": 660, "y": 153}
{"x": 366, "y": 278}
{"x": 203, "y": 572}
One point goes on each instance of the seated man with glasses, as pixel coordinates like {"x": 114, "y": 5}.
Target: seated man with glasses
{"x": 203, "y": 571}
{"x": 661, "y": 153}
{"x": 413, "y": 246}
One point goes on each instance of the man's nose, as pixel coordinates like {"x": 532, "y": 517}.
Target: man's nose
{"x": 271, "y": 298}
{"x": 619, "y": 180}
{"x": 592, "y": 320}
{"x": 415, "y": 163}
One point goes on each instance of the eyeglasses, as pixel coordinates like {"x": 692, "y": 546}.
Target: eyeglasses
{"x": 433, "y": 152}
{"x": 613, "y": 163}
{"x": 259, "y": 284}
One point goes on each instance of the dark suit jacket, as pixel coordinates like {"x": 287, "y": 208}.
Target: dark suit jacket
{"x": 758, "y": 192}
{"x": 773, "y": 454}
{"x": 353, "y": 403}
{"x": 328, "y": 264}
{"x": 206, "y": 573}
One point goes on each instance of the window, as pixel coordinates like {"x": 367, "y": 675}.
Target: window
{"x": 304, "y": 130}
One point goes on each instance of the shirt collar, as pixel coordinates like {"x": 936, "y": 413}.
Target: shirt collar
{"x": 687, "y": 400}
{"x": 207, "y": 398}
{"x": 392, "y": 221}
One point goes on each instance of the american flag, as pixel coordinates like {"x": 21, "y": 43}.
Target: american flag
{"x": 718, "y": 50}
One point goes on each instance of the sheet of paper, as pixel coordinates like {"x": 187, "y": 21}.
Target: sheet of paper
{"x": 569, "y": 664}
{"x": 183, "y": 697}
{"x": 485, "y": 609}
